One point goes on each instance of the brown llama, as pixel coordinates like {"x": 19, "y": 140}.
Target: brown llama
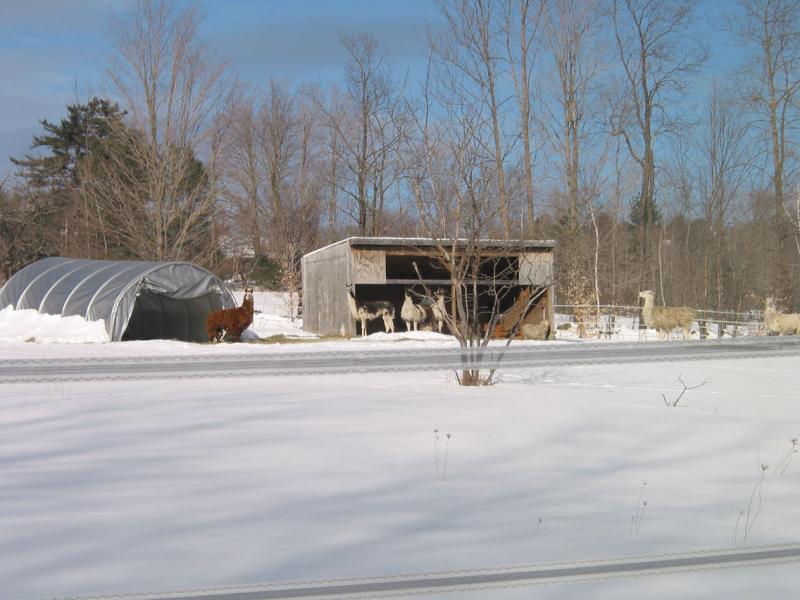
{"x": 231, "y": 321}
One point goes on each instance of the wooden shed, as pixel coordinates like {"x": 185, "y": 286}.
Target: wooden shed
{"x": 382, "y": 268}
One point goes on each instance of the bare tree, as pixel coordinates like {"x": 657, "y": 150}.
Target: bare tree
{"x": 307, "y": 192}
{"x": 158, "y": 189}
{"x": 771, "y": 30}
{"x": 278, "y": 148}
{"x": 723, "y": 171}
{"x": 571, "y": 33}
{"x": 366, "y": 136}
{"x": 469, "y": 51}
{"x": 657, "y": 55}
{"x": 453, "y": 187}
{"x": 793, "y": 212}
{"x": 333, "y": 124}
{"x": 24, "y": 235}
{"x": 289, "y": 141}
{"x": 569, "y": 27}
{"x": 244, "y": 183}
{"x": 523, "y": 20}
{"x": 426, "y": 154}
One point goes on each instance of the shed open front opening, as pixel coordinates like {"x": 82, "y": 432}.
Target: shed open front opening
{"x": 513, "y": 303}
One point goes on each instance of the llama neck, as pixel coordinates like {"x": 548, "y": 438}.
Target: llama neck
{"x": 247, "y": 305}
{"x": 647, "y": 310}
{"x": 351, "y": 302}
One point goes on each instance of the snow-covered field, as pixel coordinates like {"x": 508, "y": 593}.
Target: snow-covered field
{"x": 114, "y": 487}
{"x": 129, "y": 486}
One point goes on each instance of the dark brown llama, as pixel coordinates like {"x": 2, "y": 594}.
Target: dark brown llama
{"x": 231, "y": 321}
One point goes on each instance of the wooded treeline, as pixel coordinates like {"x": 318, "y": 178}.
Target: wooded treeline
{"x": 597, "y": 123}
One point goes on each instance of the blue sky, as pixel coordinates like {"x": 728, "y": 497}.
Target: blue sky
{"x": 52, "y": 52}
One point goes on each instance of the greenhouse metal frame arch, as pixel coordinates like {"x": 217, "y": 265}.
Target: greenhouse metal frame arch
{"x": 135, "y": 299}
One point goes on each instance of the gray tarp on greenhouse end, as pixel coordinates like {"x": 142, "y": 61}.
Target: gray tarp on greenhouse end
{"x": 137, "y": 300}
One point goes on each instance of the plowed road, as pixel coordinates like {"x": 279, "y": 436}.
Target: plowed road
{"x": 324, "y": 362}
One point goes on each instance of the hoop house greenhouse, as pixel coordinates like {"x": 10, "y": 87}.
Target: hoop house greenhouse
{"x": 136, "y": 300}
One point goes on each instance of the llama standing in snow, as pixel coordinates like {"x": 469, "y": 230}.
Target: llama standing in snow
{"x": 780, "y": 323}
{"x": 231, "y": 321}
{"x": 664, "y": 319}
{"x": 439, "y": 310}
{"x": 368, "y": 311}
{"x": 412, "y": 313}
{"x": 538, "y": 331}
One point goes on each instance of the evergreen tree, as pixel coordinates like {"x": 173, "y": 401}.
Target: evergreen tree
{"x": 644, "y": 212}
{"x": 68, "y": 142}
{"x": 52, "y": 177}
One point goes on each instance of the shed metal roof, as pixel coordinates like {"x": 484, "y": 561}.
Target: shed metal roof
{"x": 377, "y": 242}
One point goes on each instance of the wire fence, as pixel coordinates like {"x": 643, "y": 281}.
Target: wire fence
{"x": 624, "y": 321}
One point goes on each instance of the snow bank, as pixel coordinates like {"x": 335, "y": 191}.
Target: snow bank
{"x": 272, "y": 317}
{"x": 32, "y": 326}
{"x": 266, "y": 325}
{"x": 405, "y": 336}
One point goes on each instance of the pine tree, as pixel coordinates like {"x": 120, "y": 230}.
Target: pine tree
{"x": 70, "y": 140}
{"x": 644, "y": 213}
{"x": 52, "y": 176}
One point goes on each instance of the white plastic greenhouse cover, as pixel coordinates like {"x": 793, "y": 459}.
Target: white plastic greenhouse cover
{"x": 157, "y": 299}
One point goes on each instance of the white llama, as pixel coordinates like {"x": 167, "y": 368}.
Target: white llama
{"x": 664, "y": 319}
{"x": 411, "y": 313}
{"x": 439, "y": 309}
{"x": 780, "y": 323}
{"x": 538, "y": 331}
{"x": 368, "y": 311}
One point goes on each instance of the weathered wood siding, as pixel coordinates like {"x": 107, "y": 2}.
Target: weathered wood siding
{"x": 360, "y": 262}
{"x": 325, "y": 273}
{"x": 368, "y": 266}
{"x": 536, "y": 268}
